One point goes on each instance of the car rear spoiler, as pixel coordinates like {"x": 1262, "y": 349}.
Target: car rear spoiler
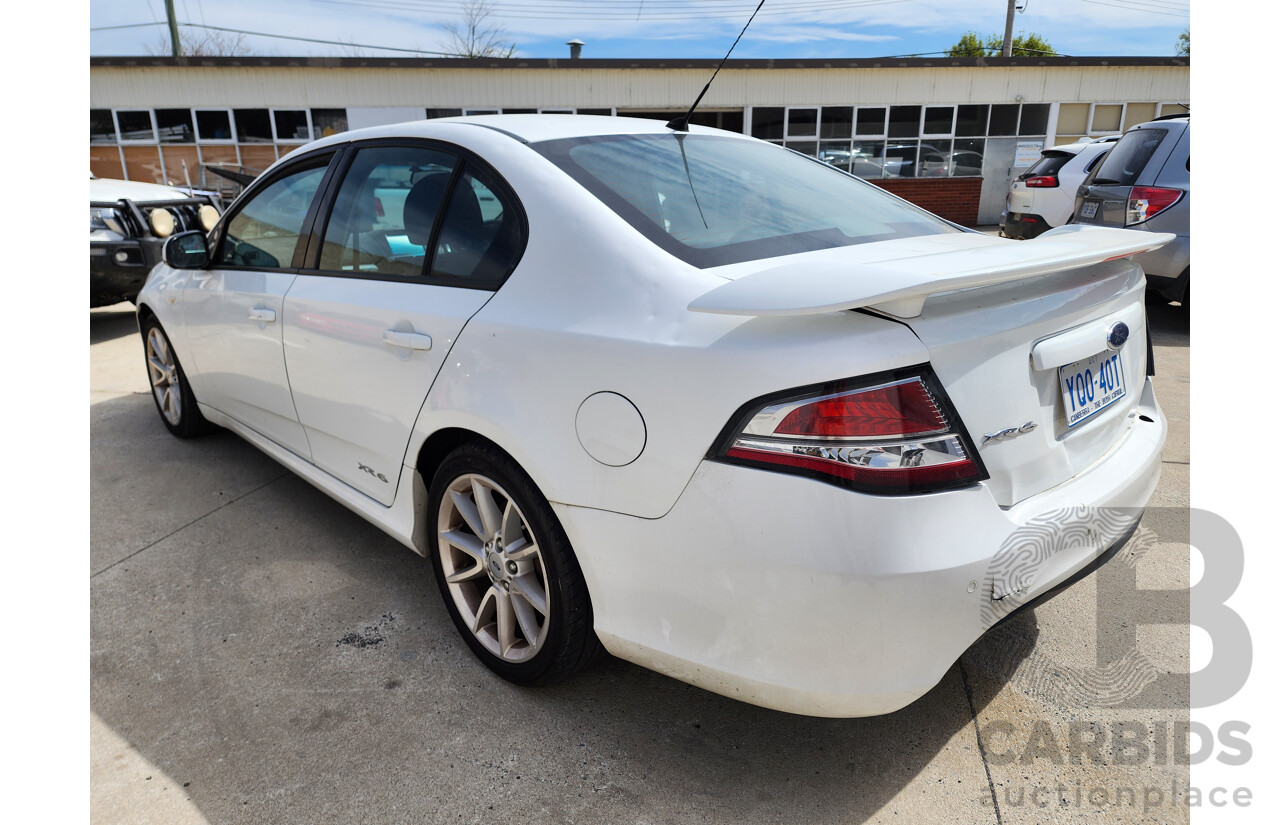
{"x": 900, "y": 287}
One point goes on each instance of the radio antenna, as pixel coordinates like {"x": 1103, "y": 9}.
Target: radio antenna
{"x": 681, "y": 124}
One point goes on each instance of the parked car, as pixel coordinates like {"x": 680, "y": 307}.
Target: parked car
{"x": 1044, "y": 195}
{"x": 1145, "y": 184}
{"x": 698, "y": 399}
{"x": 128, "y": 224}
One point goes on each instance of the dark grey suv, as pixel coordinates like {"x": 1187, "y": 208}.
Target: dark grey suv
{"x": 1145, "y": 183}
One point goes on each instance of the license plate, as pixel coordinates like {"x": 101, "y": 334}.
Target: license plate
{"x": 1091, "y": 385}
{"x": 1089, "y": 209}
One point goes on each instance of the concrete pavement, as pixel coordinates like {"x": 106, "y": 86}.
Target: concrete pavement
{"x": 259, "y": 654}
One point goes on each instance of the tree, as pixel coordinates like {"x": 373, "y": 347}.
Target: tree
{"x": 971, "y": 44}
{"x": 202, "y": 43}
{"x": 1184, "y": 44}
{"x": 475, "y": 36}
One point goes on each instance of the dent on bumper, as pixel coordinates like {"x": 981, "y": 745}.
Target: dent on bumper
{"x": 803, "y": 597}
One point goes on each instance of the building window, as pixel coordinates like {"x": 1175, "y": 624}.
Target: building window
{"x": 102, "y": 128}
{"x": 971, "y": 120}
{"x": 253, "y": 126}
{"x": 135, "y": 126}
{"x": 939, "y": 120}
{"x": 899, "y": 141}
{"x": 802, "y": 123}
{"x": 174, "y": 126}
{"x": 1034, "y": 121}
{"x": 291, "y": 125}
{"x": 325, "y": 122}
{"x": 767, "y": 122}
{"x": 1004, "y": 120}
{"x": 904, "y": 121}
{"x": 553, "y": 110}
{"x": 871, "y": 120}
{"x": 214, "y": 126}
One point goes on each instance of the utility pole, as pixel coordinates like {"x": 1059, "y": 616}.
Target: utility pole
{"x": 176, "y": 44}
{"x": 1007, "y": 51}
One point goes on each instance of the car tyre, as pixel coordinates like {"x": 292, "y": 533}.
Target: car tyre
{"x": 174, "y": 399}
{"x": 508, "y": 575}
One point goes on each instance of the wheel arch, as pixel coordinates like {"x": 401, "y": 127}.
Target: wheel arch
{"x": 144, "y": 312}
{"x": 434, "y": 450}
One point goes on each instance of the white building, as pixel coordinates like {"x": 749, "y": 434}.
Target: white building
{"x": 946, "y": 133}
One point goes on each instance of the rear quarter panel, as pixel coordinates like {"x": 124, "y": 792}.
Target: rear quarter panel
{"x": 594, "y": 306}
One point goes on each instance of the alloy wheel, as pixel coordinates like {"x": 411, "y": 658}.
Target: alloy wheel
{"x": 494, "y": 568}
{"x": 162, "y": 368}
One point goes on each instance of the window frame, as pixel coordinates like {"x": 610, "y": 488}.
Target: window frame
{"x": 275, "y": 137}
{"x": 120, "y": 138}
{"x": 318, "y": 225}
{"x": 115, "y": 130}
{"x": 924, "y": 118}
{"x": 231, "y": 121}
{"x": 789, "y": 138}
{"x": 1119, "y": 130}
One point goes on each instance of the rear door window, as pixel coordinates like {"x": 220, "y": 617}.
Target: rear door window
{"x": 1129, "y": 156}
{"x": 385, "y": 211}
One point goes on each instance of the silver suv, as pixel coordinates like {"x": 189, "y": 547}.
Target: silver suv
{"x": 1145, "y": 183}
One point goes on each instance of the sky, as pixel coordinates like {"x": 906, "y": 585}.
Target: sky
{"x": 681, "y": 29}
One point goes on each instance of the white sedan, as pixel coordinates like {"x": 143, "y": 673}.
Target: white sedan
{"x": 728, "y": 412}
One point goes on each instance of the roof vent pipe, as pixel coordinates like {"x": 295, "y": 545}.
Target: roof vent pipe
{"x": 575, "y": 49}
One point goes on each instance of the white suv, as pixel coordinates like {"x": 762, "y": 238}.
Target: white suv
{"x": 1043, "y": 196}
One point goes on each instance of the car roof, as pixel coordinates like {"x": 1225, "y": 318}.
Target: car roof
{"x": 525, "y": 128}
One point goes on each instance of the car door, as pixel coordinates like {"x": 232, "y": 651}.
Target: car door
{"x": 411, "y": 243}
{"x": 233, "y": 309}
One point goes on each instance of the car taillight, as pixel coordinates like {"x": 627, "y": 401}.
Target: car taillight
{"x": 1042, "y": 181}
{"x": 1147, "y": 201}
{"x": 895, "y": 435}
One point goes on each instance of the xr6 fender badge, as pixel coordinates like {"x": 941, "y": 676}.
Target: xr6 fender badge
{"x": 1008, "y": 432}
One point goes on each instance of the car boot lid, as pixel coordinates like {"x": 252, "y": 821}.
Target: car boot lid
{"x": 899, "y": 285}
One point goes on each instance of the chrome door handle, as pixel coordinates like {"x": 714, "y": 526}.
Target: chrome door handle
{"x": 266, "y": 316}
{"x": 409, "y": 340}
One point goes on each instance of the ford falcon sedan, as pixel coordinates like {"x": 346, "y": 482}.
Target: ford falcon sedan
{"x": 718, "y": 408}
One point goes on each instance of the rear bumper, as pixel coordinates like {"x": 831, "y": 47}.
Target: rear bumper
{"x": 118, "y": 269}
{"x": 806, "y": 598}
{"x": 1167, "y": 262}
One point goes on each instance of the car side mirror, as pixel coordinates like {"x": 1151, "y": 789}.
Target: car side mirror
{"x": 188, "y": 250}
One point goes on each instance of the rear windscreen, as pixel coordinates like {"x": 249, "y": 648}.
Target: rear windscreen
{"x": 712, "y": 200}
{"x": 1129, "y": 156}
{"x": 1047, "y": 165}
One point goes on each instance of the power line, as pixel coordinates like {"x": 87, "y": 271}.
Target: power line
{"x": 1135, "y": 8}
{"x": 278, "y": 37}
{"x": 126, "y": 26}
{"x": 571, "y": 9}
